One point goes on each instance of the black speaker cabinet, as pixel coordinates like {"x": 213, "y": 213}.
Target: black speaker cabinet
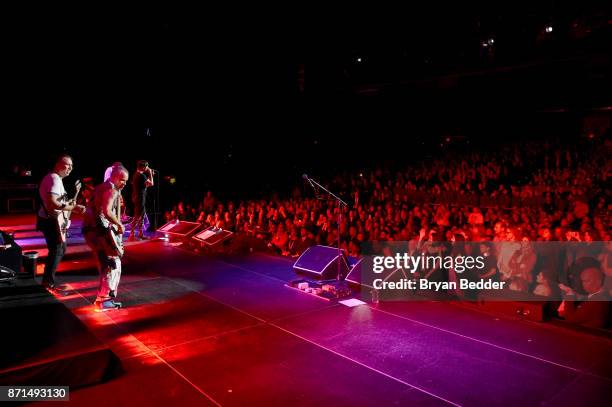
{"x": 321, "y": 262}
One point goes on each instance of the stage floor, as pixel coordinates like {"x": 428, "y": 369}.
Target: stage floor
{"x": 201, "y": 329}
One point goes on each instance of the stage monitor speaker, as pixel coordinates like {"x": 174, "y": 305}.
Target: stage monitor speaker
{"x": 10, "y": 253}
{"x": 321, "y": 262}
{"x": 179, "y": 228}
{"x": 212, "y": 235}
{"x": 354, "y": 276}
{"x": 358, "y": 276}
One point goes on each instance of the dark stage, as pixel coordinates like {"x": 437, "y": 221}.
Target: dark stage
{"x": 221, "y": 330}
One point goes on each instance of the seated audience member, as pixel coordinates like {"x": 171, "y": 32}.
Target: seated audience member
{"x": 280, "y": 239}
{"x": 489, "y": 271}
{"x": 507, "y": 251}
{"x": 521, "y": 265}
{"x": 544, "y": 285}
{"x": 292, "y": 247}
{"x": 594, "y": 309}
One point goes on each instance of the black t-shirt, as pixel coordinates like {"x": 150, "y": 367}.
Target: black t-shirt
{"x": 139, "y": 188}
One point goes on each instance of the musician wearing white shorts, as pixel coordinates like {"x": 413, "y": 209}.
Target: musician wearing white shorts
{"x": 101, "y": 219}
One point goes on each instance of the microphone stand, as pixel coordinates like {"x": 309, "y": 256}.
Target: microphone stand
{"x": 156, "y": 200}
{"x": 341, "y": 205}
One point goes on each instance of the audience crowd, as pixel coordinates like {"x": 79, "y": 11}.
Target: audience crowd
{"x": 520, "y": 195}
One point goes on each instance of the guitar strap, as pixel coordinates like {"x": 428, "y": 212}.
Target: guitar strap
{"x": 117, "y": 204}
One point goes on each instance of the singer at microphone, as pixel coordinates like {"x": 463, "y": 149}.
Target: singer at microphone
{"x": 142, "y": 179}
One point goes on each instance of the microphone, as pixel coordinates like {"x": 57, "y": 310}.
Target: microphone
{"x": 305, "y": 176}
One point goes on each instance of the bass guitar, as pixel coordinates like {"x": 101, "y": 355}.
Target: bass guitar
{"x": 63, "y": 218}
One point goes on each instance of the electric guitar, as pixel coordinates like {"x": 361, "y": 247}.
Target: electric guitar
{"x": 63, "y": 218}
{"x": 113, "y": 237}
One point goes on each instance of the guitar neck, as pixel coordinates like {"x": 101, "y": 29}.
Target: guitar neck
{"x": 76, "y": 195}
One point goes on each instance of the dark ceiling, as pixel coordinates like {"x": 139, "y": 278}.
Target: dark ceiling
{"x": 203, "y": 80}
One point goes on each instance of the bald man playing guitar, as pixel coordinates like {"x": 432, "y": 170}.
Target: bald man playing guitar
{"x": 53, "y": 218}
{"x": 103, "y": 232}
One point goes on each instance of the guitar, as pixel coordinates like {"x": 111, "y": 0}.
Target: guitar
{"x": 113, "y": 237}
{"x": 63, "y": 218}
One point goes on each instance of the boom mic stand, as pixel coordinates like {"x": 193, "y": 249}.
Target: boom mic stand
{"x": 341, "y": 205}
